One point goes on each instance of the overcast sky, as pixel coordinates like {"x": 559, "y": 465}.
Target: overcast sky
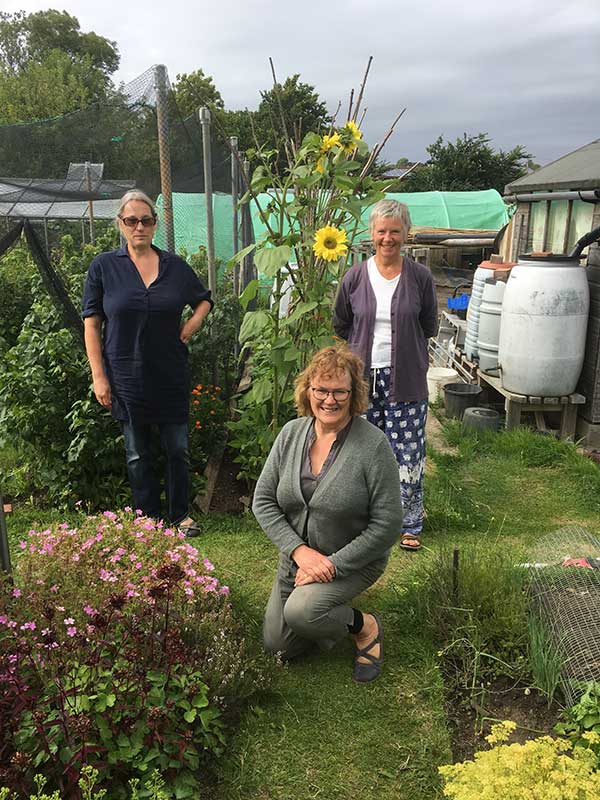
{"x": 525, "y": 71}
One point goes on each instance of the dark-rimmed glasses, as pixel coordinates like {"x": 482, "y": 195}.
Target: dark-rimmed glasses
{"x": 133, "y": 222}
{"x": 339, "y": 395}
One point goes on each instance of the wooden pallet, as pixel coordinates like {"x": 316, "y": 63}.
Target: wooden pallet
{"x": 516, "y": 404}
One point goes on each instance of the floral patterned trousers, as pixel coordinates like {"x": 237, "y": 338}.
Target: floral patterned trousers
{"x": 404, "y": 426}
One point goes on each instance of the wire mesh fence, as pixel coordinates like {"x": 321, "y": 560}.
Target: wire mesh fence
{"x": 565, "y": 592}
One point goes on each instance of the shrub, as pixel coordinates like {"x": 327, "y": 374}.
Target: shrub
{"x": 48, "y": 411}
{"x": 538, "y": 770}
{"x": 581, "y": 722}
{"x": 119, "y": 650}
{"x": 16, "y": 273}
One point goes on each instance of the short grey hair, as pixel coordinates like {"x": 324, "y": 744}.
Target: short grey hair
{"x": 390, "y": 208}
{"x": 135, "y": 194}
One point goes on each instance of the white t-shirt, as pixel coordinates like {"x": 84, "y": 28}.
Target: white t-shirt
{"x": 381, "y": 352}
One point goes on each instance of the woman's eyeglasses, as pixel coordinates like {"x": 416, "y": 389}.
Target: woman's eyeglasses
{"x": 132, "y": 222}
{"x": 338, "y": 394}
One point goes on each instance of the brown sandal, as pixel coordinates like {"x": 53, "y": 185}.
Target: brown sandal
{"x": 410, "y": 541}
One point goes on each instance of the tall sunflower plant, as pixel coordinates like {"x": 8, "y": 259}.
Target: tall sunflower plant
{"x": 312, "y": 218}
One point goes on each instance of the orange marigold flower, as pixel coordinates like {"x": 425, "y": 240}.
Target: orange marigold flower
{"x": 217, "y": 388}
{"x": 199, "y": 386}
{"x": 195, "y": 391}
{"x": 197, "y": 424}
{"x": 196, "y": 402}
{"x": 211, "y": 411}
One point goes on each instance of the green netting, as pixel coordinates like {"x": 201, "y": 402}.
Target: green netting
{"x": 189, "y": 214}
{"x": 484, "y": 210}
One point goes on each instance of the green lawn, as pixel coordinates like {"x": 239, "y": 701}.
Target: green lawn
{"x": 317, "y": 734}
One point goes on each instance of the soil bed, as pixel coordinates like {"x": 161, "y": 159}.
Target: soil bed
{"x": 230, "y": 496}
{"x": 470, "y": 721}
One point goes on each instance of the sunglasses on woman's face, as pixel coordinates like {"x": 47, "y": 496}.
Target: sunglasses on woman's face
{"x": 132, "y": 222}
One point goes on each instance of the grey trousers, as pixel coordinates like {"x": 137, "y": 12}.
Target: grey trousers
{"x": 297, "y": 618}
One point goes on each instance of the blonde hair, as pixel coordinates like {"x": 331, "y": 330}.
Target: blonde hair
{"x": 327, "y": 362}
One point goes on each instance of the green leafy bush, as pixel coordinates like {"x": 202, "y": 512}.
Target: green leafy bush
{"x": 70, "y": 448}
{"x": 581, "y": 722}
{"x": 119, "y": 650}
{"x": 16, "y": 273}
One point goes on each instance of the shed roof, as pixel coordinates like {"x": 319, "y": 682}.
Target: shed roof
{"x": 577, "y": 170}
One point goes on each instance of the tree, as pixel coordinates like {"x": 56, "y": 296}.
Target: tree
{"x": 193, "y": 90}
{"x": 292, "y": 104}
{"x": 468, "y": 164}
{"x": 48, "y": 66}
{"x": 25, "y": 38}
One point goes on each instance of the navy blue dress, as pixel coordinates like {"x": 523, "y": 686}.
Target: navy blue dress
{"x": 145, "y": 360}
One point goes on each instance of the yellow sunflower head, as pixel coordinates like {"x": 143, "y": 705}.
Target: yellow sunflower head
{"x": 320, "y": 167}
{"x": 352, "y": 137}
{"x": 330, "y": 141}
{"x": 330, "y": 243}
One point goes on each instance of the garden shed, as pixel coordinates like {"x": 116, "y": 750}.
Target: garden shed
{"x": 556, "y": 206}
{"x": 558, "y": 203}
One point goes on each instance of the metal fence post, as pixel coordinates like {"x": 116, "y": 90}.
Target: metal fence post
{"x": 233, "y": 140}
{"x": 204, "y": 114}
{"x": 162, "y": 123}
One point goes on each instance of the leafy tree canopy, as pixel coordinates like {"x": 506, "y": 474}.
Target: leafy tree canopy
{"x": 468, "y": 164}
{"x": 194, "y": 90}
{"x": 31, "y": 37}
{"x": 49, "y": 67}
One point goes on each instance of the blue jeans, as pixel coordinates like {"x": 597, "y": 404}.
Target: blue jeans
{"x": 141, "y": 468}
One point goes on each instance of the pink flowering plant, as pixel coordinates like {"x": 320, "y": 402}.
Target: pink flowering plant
{"x": 119, "y": 650}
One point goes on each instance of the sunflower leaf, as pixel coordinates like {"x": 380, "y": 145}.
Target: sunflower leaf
{"x": 271, "y": 259}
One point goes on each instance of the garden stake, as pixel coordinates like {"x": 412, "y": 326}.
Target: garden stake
{"x": 4, "y": 550}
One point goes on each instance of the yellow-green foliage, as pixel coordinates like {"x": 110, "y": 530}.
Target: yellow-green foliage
{"x": 541, "y": 769}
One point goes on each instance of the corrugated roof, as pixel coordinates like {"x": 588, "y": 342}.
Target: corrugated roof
{"x": 577, "y": 170}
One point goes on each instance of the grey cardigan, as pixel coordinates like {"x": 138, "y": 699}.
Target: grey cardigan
{"x": 414, "y": 320}
{"x": 355, "y": 514}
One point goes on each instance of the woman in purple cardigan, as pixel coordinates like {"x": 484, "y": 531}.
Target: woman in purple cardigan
{"x": 386, "y": 309}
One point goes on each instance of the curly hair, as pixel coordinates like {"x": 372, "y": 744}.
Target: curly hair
{"x": 328, "y": 362}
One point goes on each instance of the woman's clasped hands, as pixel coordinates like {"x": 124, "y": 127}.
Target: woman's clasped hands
{"x": 313, "y": 567}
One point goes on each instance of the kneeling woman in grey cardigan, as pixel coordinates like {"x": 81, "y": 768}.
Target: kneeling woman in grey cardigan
{"x": 329, "y": 499}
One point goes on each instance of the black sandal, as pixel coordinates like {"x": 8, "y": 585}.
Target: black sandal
{"x": 365, "y": 673}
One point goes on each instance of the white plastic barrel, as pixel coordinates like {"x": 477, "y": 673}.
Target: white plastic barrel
{"x": 490, "y": 314}
{"x": 483, "y": 272}
{"x": 544, "y": 321}
{"x": 436, "y": 378}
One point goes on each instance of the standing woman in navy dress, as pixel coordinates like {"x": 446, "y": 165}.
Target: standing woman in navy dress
{"x": 137, "y": 348}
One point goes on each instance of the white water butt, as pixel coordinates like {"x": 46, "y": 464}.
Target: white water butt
{"x": 490, "y": 314}
{"x": 544, "y": 321}
{"x": 483, "y": 272}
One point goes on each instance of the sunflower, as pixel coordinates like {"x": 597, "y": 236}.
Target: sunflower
{"x": 330, "y": 141}
{"x": 330, "y": 243}
{"x": 353, "y": 136}
{"x": 320, "y": 167}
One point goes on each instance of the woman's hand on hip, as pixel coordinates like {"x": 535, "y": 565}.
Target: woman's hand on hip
{"x": 102, "y": 392}
{"x": 313, "y": 565}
